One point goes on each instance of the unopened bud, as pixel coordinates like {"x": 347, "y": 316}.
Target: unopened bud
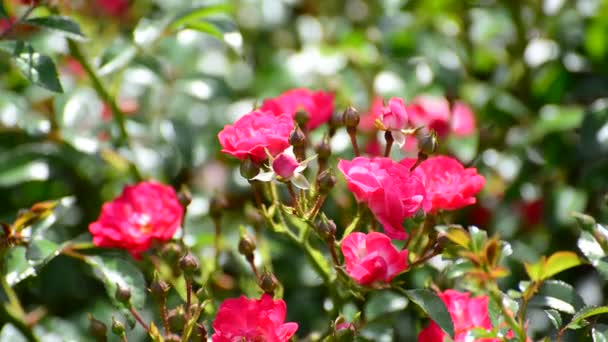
{"x": 218, "y": 204}
{"x": 159, "y": 288}
{"x": 336, "y": 120}
{"x": 351, "y": 117}
{"x": 297, "y": 138}
{"x": 201, "y": 331}
{"x": 97, "y": 329}
{"x": 246, "y": 245}
{"x": 249, "y": 168}
{"x": 171, "y": 251}
{"x": 427, "y": 142}
{"x": 302, "y": 117}
{"x": 327, "y": 230}
{"x": 177, "y": 319}
{"x": 118, "y": 328}
{"x": 268, "y": 282}
{"x": 122, "y": 294}
{"x": 326, "y": 181}
{"x": 188, "y": 263}
{"x": 184, "y": 196}
{"x": 323, "y": 149}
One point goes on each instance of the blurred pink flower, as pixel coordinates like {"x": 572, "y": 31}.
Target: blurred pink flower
{"x": 467, "y": 314}
{"x": 390, "y": 191}
{"x": 434, "y": 112}
{"x": 367, "y": 123}
{"x": 113, "y": 7}
{"x": 142, "y": 214}
{"x": 319, "y": 105}
{"x": 255, "y": 133}
{"x": 243, "y": 319}
{"x": 448, "y": 185}
{"x": 372, "y": 258}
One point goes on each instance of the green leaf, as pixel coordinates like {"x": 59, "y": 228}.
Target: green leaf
{"x": 578, "y": 320}
{"x": 116, "y": 58}
{"x": 63, "y": 25}
{"x": 190, "y": 16}
{"x": 598, "y": 336}
{"x": 548, "y": 267}
{"x": 39, "y": 69}
{"x": 116, "y": 270}
{"x": 10, "y": 333}
{"x": 382, "y": 303}
{"x": 478, "y": 238}
{"x": 558, "y": 295}
{"x": 459, "y": 236}
{"x": 433, "y": 306}
{"x": 555, "y": 317}
{"x": 555, "y": 118}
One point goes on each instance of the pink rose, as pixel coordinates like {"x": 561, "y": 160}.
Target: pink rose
{"x": 142, "y": 214}
{"x": 372, "y": 258}
{"x": 367, "y": 123}
{"x": 394, "y": 116}
{"x": 434, "y": 112}
{"x": 285, "y": 165}
{"x": 467, "y": 314}
{"x": 243, "y": 319}
{"x": 319, "y": 105}
{"x": 448, "y": 185}
{"x": 255, "y": 132}
{"x": 390, "y": 191}
{"x": 113, "y": 7}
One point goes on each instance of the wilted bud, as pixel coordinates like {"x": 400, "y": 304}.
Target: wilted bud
{"x": 350, "y": 117}
{"x": 326, "y": 181}
{"x": 159, "y": 288}
{"x": 218, "y": 204}
{"x": 246, "y": 245}
{"x": 118, "y": 328}
{"x": 268, "y": 282}
{"x": 427, "y": 142}
{"x": 177, "y": 319}
{"x": 97, "y": 329}
{"x": 184, "y": 196}
{"x": 188, "y": 263}
{"x": 297, "y": 138}
{"x": 327, "y": 230}
{"x": 123, "y": 294}
{"x": 249, "y": 169}
{"x": 302, "y": 117}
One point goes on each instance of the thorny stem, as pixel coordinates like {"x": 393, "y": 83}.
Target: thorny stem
{"x": 117, "y": 115}
{"x": 254, "y": 269}
{"x": 163, "y": 314}
{"x": 138, "y": 318}
{"x": 294, "y": 198}
{"x": 354, "y": 223}
{"x": 188, "y": 295}
{"x": 318, "y": 204}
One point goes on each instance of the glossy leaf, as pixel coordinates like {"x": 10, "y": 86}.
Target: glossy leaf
{"x": 39, "y": 69}
{"x": 433, "y": 306}
{"x": 589, "y": 311}
{"x": 63, "y": 25}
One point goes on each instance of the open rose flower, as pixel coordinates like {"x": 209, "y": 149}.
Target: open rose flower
{"x": 435, "y": 113}
{"x": 394, "y": 118}
{"x": 372, "y": 258}
{"x": 142, "y": 214}
{"x": 255, "y": 133}
{"x": 243, "y": 319}
{"x": 448, "y": 185}
{"x": 319, "y": 105}
{"x": 390, "y": 191}
{"x": 286, "y": 167}
{"x": 467, "y": 314}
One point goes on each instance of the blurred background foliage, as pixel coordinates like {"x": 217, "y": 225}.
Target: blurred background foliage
{"x": 535, "y": 72}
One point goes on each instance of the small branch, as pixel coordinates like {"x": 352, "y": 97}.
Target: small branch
{"x": 163, "y": 314}
{"x": 117, "y": 115}
{"x": 355, "y": 222}
{"x": 188, "y": 296}
{"x": 139, "y": 319}
{"x": 388, "y": 136}
{"x": 216, "y": 241}
{"x": 315, "y": 210}
{"x": 353, "y": 139}
{"x": 14, "y": 24}
{"x": 294, "y": 198}
{"x": 253, "y": 268}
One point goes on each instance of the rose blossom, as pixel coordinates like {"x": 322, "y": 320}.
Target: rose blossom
{"x": 435, "y": 113}
{"x": 255, "y": 133}
{"x": 372, "y": 257}
{"x": 390, "y": 191}
{"x": 467, "y": 314}
{"x": 243, "y": 319}
{"x": 286, "y": 167}
{"x": 319, "y": 105}
{"x": 143, "y": 213}
{"x": 394, "y": 116}
{"x": 448, "y": 184}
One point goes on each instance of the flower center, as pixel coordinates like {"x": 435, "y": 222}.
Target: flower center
{"x": 142, "y": 220}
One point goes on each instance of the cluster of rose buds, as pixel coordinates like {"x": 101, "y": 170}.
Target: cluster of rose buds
{"x": 272, "y": 143}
